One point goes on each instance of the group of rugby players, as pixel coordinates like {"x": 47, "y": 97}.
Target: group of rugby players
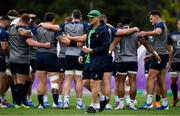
{"x": 86, "y": 53}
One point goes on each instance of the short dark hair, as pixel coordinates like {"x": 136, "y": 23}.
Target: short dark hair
{"x": 13, "y": 12}
{"x": 77, "y": 14}
{"x": 154, "y": 12}
{"x": 49, "y": 16}
{"x": 5, "y": 17}
{"x": 126, "y": 21}
{"x": 23, "y": 11}
{"x": 25, "y": 17}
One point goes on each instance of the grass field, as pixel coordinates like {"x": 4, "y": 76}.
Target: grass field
{"x": 74, "y": 111}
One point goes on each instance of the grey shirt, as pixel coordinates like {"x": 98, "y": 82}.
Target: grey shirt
{"x": 19, "y": 49}
{"x": 174, "y": 40}
{"x": 128, "y": 48}
{"x": 43, "y": 35}
{"x": 160, "y": 41}
{"x": 73, "y": 29}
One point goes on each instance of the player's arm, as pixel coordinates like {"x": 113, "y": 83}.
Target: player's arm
{"x": 50, "y": 26}
{"x": 77, "y": 38}
{"x": 114, "y": 44}
{"x": 170, "y": 52}
{"x": 24, "y": 32}
{"x": 149, "y": 47}
{"x": 121, "y": 32}
{"x": 155, "y": 32}
{"x": 4, "y": 47}
{"x": 34, "y": 43}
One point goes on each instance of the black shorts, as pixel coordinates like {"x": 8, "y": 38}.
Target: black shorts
{"x": 19, "y": 68}
{"x": 71, "y": 63}
{"x": 127, "y": 67}
{"x": 2, "y": 65}
{"x": 175, "y": 67}
{"x": 61, "y": 65}
{"x": 146, "y": 66}
{"x": 154, "y": 64}
{"x": 33, "y": 65}
{"x": 114, "y": 69}
{"x": 47, "y": 62}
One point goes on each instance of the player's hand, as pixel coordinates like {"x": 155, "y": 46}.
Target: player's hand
{"x": 47, "y": 45}
{"x": 148, "y": 58}
{"x": 142, "y": 33}
{"x": 87, "y": 50}
{"x": 80, "y": 59}
{"x": 168, "y": 66}
{"x": 158, "y": 58}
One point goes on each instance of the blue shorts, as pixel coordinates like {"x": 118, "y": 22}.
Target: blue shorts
{"x": 61, "y": 65}
{"x": 86, "y": 72}
{"x": 154, "y": 64}
{"x": 19, "y": 68}
{"x": 127, "y": 67}
{"x": 71, "y": 63}
{"x": 2, "y": 65}
{"x": 47, "y": 62}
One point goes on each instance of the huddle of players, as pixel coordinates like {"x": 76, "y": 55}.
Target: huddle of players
{"x": 94, "y": 59}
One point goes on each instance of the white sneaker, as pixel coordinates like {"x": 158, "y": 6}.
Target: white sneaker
{"x": 108, "y": 107}
{"x": 97, "y": 106}
{"x": 132, "y": 108}
{"x": 60, "y": 106}
{"x": 119, "y": 108}
{"x": 66, "y": 105}
{"x": 79, "y": 107}
{"x": 40, "y": 107}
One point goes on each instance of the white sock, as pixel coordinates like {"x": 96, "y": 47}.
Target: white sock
{"x": 93, "y": 105}
{"x": 121, "y": 102}
{"x": 2, "y": 99}
{"x": 101, "y": 98}
{"x": 60, "y": 98}
{"x": 79, "y": 101}
{"x": 164, "y": 101}
{"x": 127, "y": 99}
{"x": 66, "y": 99}
{"x": 117, "y": 98}
{"x": 45, "y": 98}
{"x": 131, "y": 103}
{"x": 149, "y": 99}
{"x": 29, "y": 99}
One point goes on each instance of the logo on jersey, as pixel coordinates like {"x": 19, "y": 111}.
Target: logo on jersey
{"x": 178, "y": 43}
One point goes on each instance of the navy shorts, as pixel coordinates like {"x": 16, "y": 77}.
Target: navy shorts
{"x": 154, "y": 64}
{"x": 47, "y": 62}
{"x": 175, "y": 67}
{"x": 109, "y": 64}
{"x": 86, "y": 72}
{"x": 33, "y": 65}
{"x": 92, "y": 74}
{"x": 19, "y": 68}
{"x": 2, "y": 65}
{"x": 61, "y": 65}
{"x": 127, "y": 67}
{"x": 71, "y": 63}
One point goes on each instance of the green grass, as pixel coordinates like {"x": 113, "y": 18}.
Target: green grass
{"x": 74, "y": 111}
